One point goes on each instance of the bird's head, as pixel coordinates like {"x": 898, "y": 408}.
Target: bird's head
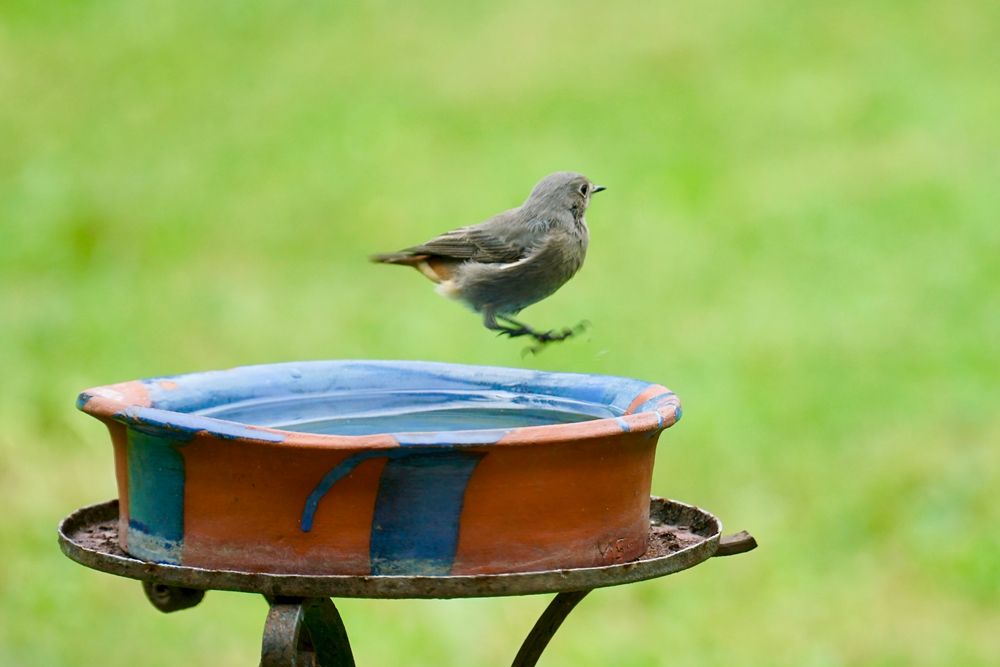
{"x": 563, "y": 190}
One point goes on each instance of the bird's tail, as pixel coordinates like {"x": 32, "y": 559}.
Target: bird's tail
{"x": 436, "y": 268}
{"x": 405, "y": 258}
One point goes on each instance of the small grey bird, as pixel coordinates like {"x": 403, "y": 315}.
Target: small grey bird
{"x": 515, "y": 258}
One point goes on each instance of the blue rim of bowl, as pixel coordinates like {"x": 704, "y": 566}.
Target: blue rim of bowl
{"x": 169, "y": 404}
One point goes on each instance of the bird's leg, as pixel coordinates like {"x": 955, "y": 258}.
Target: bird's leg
{"x": 490, "y": 322}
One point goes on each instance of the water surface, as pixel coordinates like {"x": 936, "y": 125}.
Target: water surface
{"x": 367, "y": 413}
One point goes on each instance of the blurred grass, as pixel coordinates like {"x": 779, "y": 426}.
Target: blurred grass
{"x": 800, "y": 237}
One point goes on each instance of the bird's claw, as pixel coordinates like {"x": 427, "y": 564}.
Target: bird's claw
{"x": 552, "y": 336}
{"x": 564, "y": 333}
{"x": 512, "y": 333}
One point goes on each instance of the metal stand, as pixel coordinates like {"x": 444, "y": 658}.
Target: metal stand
{"x": 303, "y": 631}
{"x": 303, "y": 626}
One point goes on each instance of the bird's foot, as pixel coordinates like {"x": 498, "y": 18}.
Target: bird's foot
{"x": 552, "y": 336}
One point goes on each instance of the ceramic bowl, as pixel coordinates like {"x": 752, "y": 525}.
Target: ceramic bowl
{"x": 383, "y": 467}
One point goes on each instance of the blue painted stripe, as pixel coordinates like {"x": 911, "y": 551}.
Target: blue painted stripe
{"x": 83, "y": 399}
{"x": 417, "y": 508}
{"x": 344, "y": 468}
{"x": 624, "y": 424}
{"x": 417, "y": 514}
{"x": 185, "y": 426}
{"x": 337, "y": 473}
{"x": 155, "y": 493}
{"x": 151, "y": 546}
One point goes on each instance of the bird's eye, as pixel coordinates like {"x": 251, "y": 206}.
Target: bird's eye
{"x": 583, "y": 189}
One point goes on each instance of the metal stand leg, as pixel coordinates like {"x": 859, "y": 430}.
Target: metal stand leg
{"x": 171, "y": 598}
{"x": 545, "y": 627}
{"x": 305, "y": 632}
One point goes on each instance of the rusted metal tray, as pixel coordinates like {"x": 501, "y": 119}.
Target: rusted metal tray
{"x": 304, "y": 625}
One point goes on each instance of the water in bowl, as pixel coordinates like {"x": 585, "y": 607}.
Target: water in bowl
{"x": 367, "y": 413}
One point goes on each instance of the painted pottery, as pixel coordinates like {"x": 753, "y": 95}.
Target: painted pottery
{"x": 383, "y": 467}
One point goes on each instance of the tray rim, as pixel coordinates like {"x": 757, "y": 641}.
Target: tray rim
{"x": 392, "y": 586}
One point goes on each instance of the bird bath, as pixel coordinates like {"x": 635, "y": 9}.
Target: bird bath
{"x": 383, "y": 468}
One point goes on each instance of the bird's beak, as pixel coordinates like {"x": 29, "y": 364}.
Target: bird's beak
{"x": 597, "y": 188}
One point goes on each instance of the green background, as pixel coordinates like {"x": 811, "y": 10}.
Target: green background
{"x": 799, "y": 237}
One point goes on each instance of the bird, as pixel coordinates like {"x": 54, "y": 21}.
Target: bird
{"x": 514, "y": 259}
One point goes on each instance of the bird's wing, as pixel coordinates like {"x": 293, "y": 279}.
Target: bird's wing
{"x": 494, "y": 241}
{"x": 470, "y": 244}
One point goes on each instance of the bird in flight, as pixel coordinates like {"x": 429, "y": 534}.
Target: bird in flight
{"x": 514, "y": 259}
